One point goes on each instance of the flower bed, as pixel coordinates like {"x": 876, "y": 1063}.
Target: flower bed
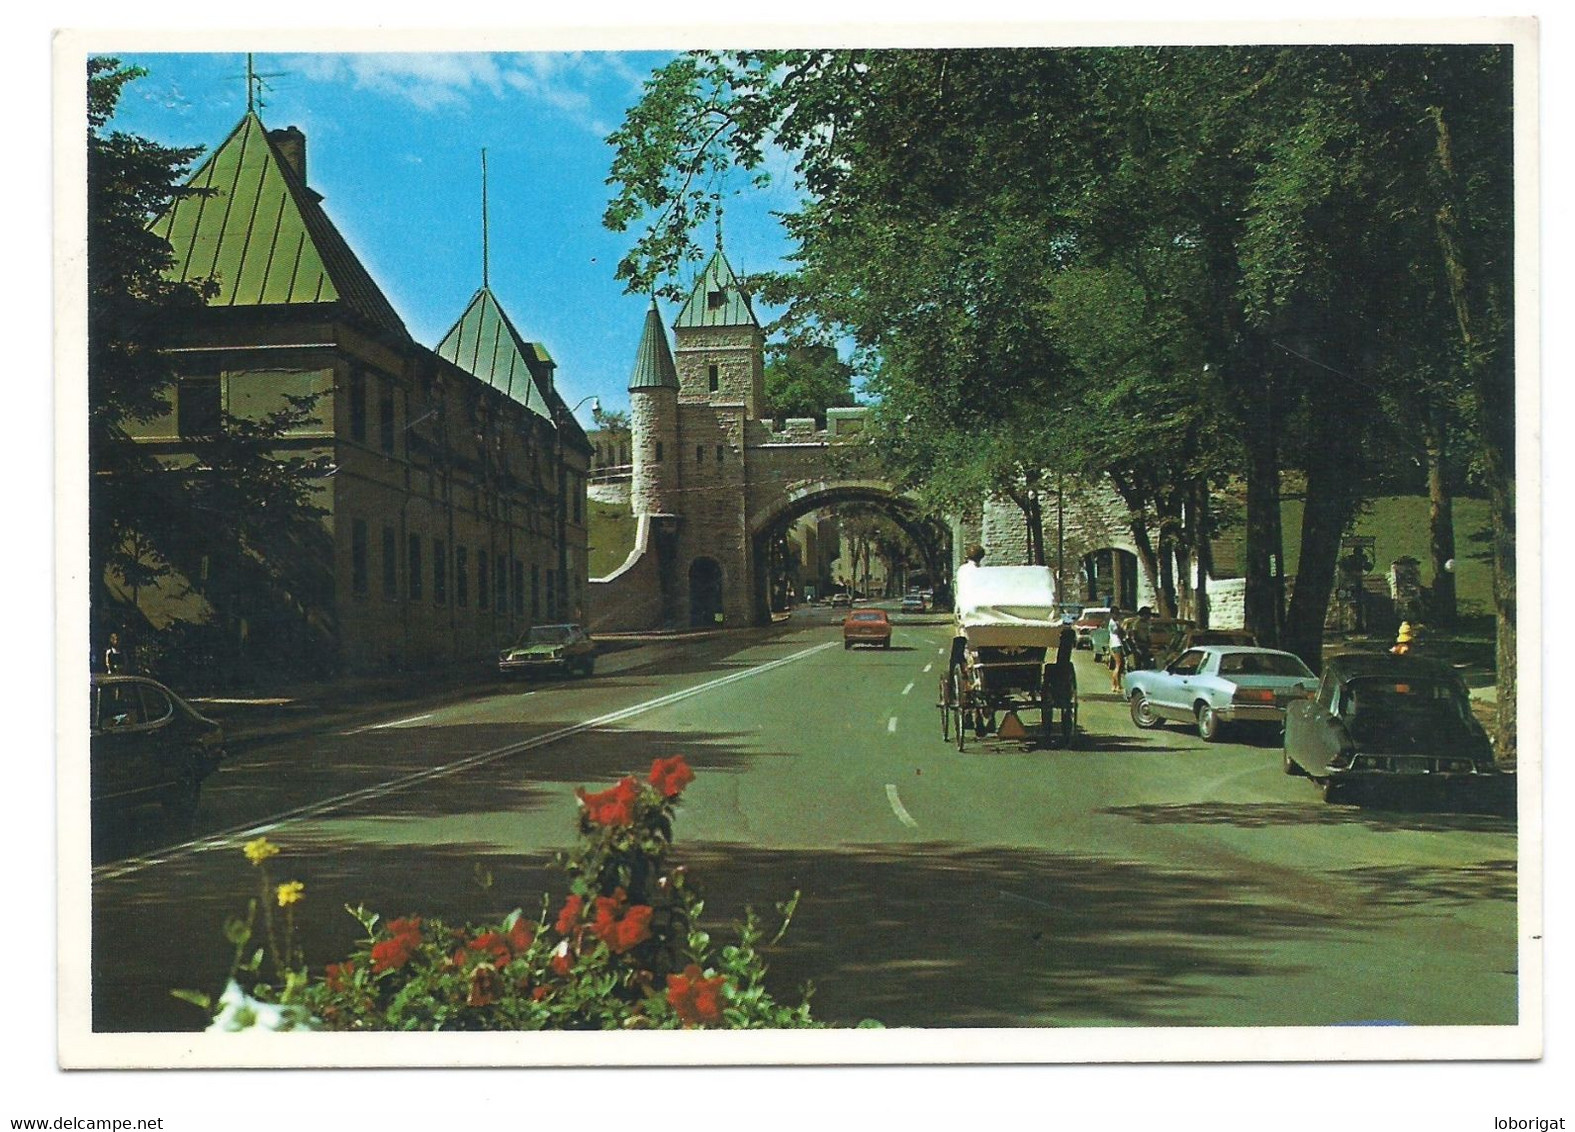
{"x": 623, "y": 950}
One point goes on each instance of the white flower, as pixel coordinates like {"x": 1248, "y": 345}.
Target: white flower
{"x": 240, "y": 1012}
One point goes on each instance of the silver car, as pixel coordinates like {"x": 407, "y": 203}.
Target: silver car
{"x": 1217, "y": 684}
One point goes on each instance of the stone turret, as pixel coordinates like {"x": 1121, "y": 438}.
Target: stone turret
{"x": 720, "y": 346}
{"x": 653, "y": 423}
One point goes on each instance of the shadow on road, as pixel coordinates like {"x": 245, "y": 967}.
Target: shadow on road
{"x": 1260, "y": 815}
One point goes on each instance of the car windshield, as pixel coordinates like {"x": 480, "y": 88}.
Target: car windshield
{"x": 1261, "y": 664}
{"x": 1381, "y": 709}
{"x": 872, "y": 615}
{"x": 549, "y": 635}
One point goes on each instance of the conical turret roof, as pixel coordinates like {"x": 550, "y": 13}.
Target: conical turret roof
{"x": 653, "y": 362}
{"x": 484, "y": 343}
{"x": 717, "y": 299}
{"x": 262, "y": 236}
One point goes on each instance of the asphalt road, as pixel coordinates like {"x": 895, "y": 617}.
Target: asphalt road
{"x": 1141, "y": 879}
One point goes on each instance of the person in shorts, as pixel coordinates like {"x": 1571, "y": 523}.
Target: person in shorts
{"x": 1118, "y": 658}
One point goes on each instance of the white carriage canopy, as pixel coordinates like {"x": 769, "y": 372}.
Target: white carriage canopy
{"x": 1006, "y": 595}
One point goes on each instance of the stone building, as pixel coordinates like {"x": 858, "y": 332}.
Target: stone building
{"x": 454, "y": 491}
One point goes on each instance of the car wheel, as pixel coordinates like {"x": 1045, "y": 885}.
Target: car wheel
{"x": 886, "y": 644}
{"x": 590, "y": 667}
{"x": 180, "y": 804}
{"x": 1335, "y": 792}
{"x": 847, "y": 644}
{"x": 1143, "y": 714}
{"x": 1208, "y": 724}
{"x": 1291, "y": 766}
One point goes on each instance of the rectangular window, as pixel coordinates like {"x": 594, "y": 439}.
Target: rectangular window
{"x": 359, "y": 583}
{"x": 481, "y": 579}
{"x": 461, "y": 577}
{"x": 577, "y": 489}
{"x": 720, "y": 448}
{"x": 519, "y": 588}
{"x": 714, "y": 377}
{"x": 535, "y": 592}
{"x": 357, "y": 404}
{"x": 415, "y": 567}
{"x": 199, "y": 406}
{"x": 658, "y": 451}
{"x": 385, "y": 420}
{"x": 699, "y": 453}
{"x": 439, "y": 572}
{"x": 552, "y": 595}
{"x": 500, "y": 575}
{"x": 390, "y": 563}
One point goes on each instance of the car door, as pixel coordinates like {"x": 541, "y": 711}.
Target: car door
{"x": 121, "y": 760}
{"x": 1173, "y": 692}
{"x": 1312, "y": 730}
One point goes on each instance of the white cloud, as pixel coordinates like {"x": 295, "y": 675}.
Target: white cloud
{"x": 565, "y": 82}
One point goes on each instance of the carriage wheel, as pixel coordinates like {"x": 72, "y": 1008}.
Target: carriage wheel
{"x": 959, "y": 696}
{"x": 945, "y": 700}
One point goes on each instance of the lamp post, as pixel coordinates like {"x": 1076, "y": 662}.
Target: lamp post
{"x": 561, "y": 421}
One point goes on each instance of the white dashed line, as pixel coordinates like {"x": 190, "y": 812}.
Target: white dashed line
{"x": 908, "y": 689}
{"x": 898, "y": 808}
{"x": 927, "y": 667}
{"x": 390, "y": 723}
{"x": 891, "y": 724}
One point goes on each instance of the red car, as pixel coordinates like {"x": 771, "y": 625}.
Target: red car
{"x": 866, "y": 627}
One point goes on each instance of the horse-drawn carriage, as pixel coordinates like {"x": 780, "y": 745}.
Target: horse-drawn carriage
{"x": 1011, "y": 653}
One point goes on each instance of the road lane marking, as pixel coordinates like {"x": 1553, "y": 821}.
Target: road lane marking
{"x": 929, "y": 666}
{"x": 391, "y": 723}
{"x": 898, "y": 808}
{"x": 235, "y": 835}
{"x": 891, "y": 724}
{"x": 908, "y": 689}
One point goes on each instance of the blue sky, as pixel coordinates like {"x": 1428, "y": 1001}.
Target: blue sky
{"x": 394, "y": 144}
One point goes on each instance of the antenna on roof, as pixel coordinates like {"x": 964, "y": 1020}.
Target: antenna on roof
{"x": 255, "y": 85}
{"x": 485, "y": 251}
{"x": 718, "y": 227}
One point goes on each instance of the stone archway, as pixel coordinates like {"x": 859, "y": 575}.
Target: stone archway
{"x": 929, "y": 535}
{"x": 1110, "y": 576}
{"x": 705, "y": 592}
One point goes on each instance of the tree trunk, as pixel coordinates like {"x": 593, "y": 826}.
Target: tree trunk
{"x": 1440, "y": 522}
{"x": 1327, "y": 511}
{"x": 1202, "y": 524}
{"x": 1265, "y": 565}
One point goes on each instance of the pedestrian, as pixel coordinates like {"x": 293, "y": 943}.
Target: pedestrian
{"x": 975, "y": 557}
{"x": 1139, "y": 639}
{"x": 1404, "y": 639}
{"x": 112, "y": 657}
{"x": 1118, "y": 660}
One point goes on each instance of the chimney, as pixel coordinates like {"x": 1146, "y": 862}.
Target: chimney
{"x": 291, "y": 144}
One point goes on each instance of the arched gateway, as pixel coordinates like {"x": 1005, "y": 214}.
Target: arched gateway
{"x": 713, "y": 484}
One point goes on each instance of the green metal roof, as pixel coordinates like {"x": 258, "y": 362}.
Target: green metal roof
{"x": 484, "y": 343}
{"x": 262, "y": 236}
{"x": 653, "y": 361}
{"x": 718, "y": 299}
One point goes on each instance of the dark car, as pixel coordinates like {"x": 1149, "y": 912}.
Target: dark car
{"x": 148, "y": 746}
{"x": 550, "y": 648}
{"x": 913, "y": 603}
{"x": 866, "y": 627}
{"x": 1378, "y": 718}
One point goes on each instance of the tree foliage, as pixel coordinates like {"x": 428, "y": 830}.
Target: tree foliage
{"x": 1164, "y": 266}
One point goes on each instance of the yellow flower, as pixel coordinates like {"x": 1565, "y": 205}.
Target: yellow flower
{"x": 289, "y": 892}
{"x": 260, "y": 850}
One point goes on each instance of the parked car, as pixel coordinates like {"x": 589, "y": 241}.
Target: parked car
{"x": 1096, "y": 617}
{"x": 147, "y": 746}
{"x": 1194, "y": 637}
{"x": 1165, "y": 636}
{"x": 866, "y": 627}
{"x": 841, "y": 600}
{"x": 550, "y": 648}
{"x": 913, "y": 603}
{"x": 1069, "y": 612}
{"x": 1381, "y": 718}
{"x": 1214, "y": 685}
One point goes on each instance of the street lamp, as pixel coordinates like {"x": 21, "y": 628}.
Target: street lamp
{"x": 561, "y": 420}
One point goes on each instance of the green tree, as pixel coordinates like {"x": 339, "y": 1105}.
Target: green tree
{"x": 233, "y": 516}
{"x": 805, "y": 381}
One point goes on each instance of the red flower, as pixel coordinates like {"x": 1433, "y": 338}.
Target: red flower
{"x": 538, "y": 994}
{"x": 614, "y": 807}
{"x": 392, "y": 953}
{"x": 338, "y": 976}
{"x": 570, "y": 914}
{"x": 562, "y": 963}
{"x": 670, "y": 776}
{"x": 520, "y": 937}
{"x": 619, "y": 926}
{"x": 696, "y": 999}
{"x": 486, "y": 987}
{"x": 493, "y": 945}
